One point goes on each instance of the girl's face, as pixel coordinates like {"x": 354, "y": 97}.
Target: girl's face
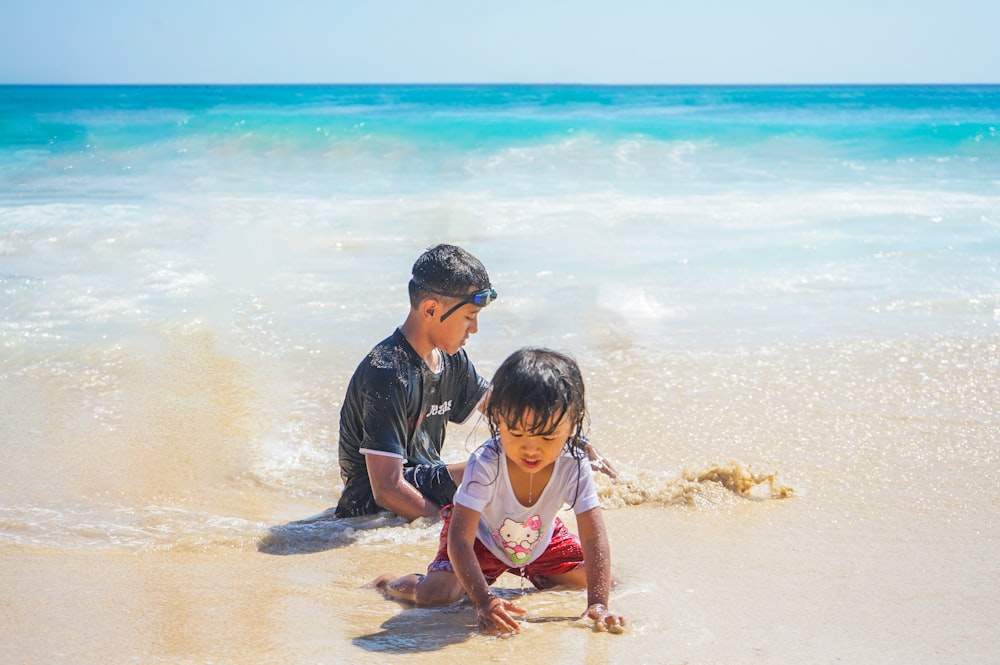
{"x": 532, "y": 452}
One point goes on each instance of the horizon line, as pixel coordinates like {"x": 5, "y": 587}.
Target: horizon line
{"x": 488, "y": 83}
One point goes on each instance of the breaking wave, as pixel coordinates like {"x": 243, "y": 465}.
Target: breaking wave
{"x": 717, "y": 485}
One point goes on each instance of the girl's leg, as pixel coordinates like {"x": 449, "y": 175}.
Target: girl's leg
{"x": 439, "y": 587}
{"x": 574, "y": 579}
{"x": 400, "y": 588}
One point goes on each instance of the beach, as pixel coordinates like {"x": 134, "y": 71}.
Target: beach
{"x": 785, "y": 302}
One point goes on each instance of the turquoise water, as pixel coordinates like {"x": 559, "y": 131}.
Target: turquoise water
{"x": 678, "y": 215}
{"x": 386, "y": 139}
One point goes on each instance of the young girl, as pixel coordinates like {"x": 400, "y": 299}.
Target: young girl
{"x": 504, "y": 515}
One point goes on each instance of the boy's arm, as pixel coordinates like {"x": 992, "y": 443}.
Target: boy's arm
{"x": 598, "y": 462}
{"x": 493, "y": 613}
{"x": 391, "y": 490}
{"x": 597, "y": 561}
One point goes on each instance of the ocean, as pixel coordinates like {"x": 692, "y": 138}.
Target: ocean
{"x": 785, "y": 301}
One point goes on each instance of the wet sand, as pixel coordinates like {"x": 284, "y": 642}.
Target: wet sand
{"x": 761, "y": 582}
{"x": 884, "y": 551}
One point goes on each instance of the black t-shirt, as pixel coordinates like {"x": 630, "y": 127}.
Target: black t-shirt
{"x": 396, "y": 406}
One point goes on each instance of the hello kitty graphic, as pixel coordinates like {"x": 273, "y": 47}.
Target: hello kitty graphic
{"x": 517, "y": 538}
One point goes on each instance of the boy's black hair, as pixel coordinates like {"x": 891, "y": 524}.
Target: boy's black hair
{"x": 534, "y": 389}
{"x": 444, "y": 270}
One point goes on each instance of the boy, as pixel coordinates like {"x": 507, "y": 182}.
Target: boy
{"x": 407, "y": 389}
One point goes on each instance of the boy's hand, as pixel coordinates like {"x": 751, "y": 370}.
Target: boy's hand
{"x": 604, "y": 620}
{"x": 495, "y": 619}
{"x": 599, "y": 463}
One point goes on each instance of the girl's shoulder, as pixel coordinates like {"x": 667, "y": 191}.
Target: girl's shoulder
{"x": 573, "y": 457}
{"x": 488, "y": 451}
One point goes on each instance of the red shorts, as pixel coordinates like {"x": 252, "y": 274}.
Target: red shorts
{"x": 563, "y": 554}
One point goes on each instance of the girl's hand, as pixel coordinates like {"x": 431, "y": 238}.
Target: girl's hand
{"x": 495, "y": 619}
{"x": 604, "y": 620}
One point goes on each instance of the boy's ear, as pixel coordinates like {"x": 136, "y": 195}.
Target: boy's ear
{"x": 429, "y": 307}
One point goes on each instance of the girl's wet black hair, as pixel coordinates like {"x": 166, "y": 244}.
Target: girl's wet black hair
{"x": 533, "y": 390}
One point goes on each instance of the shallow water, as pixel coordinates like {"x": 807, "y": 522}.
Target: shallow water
{"x": 786, "y": 304}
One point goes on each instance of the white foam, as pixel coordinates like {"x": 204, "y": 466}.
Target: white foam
{"x": 635, "y": 304}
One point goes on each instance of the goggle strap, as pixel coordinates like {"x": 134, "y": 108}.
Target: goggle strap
{"x": 480, "y": 299}
{"x": 453, "y": 309}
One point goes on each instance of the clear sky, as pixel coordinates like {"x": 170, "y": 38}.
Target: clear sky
{"x": 513, "y": 41}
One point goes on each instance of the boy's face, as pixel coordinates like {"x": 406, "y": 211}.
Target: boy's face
{"x": 451, "y": 334}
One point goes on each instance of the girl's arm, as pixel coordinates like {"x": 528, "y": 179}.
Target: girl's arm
{"x": 493, "y": 613}
{"x": 597, "y": 559}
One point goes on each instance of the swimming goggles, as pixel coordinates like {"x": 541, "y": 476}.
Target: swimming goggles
{"x": 480, "y": 298}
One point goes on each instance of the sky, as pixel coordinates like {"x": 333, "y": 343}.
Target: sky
{"x": 514, "y": 41}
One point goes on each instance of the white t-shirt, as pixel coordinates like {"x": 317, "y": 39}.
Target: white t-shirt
{"x": 518, "y": 534}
